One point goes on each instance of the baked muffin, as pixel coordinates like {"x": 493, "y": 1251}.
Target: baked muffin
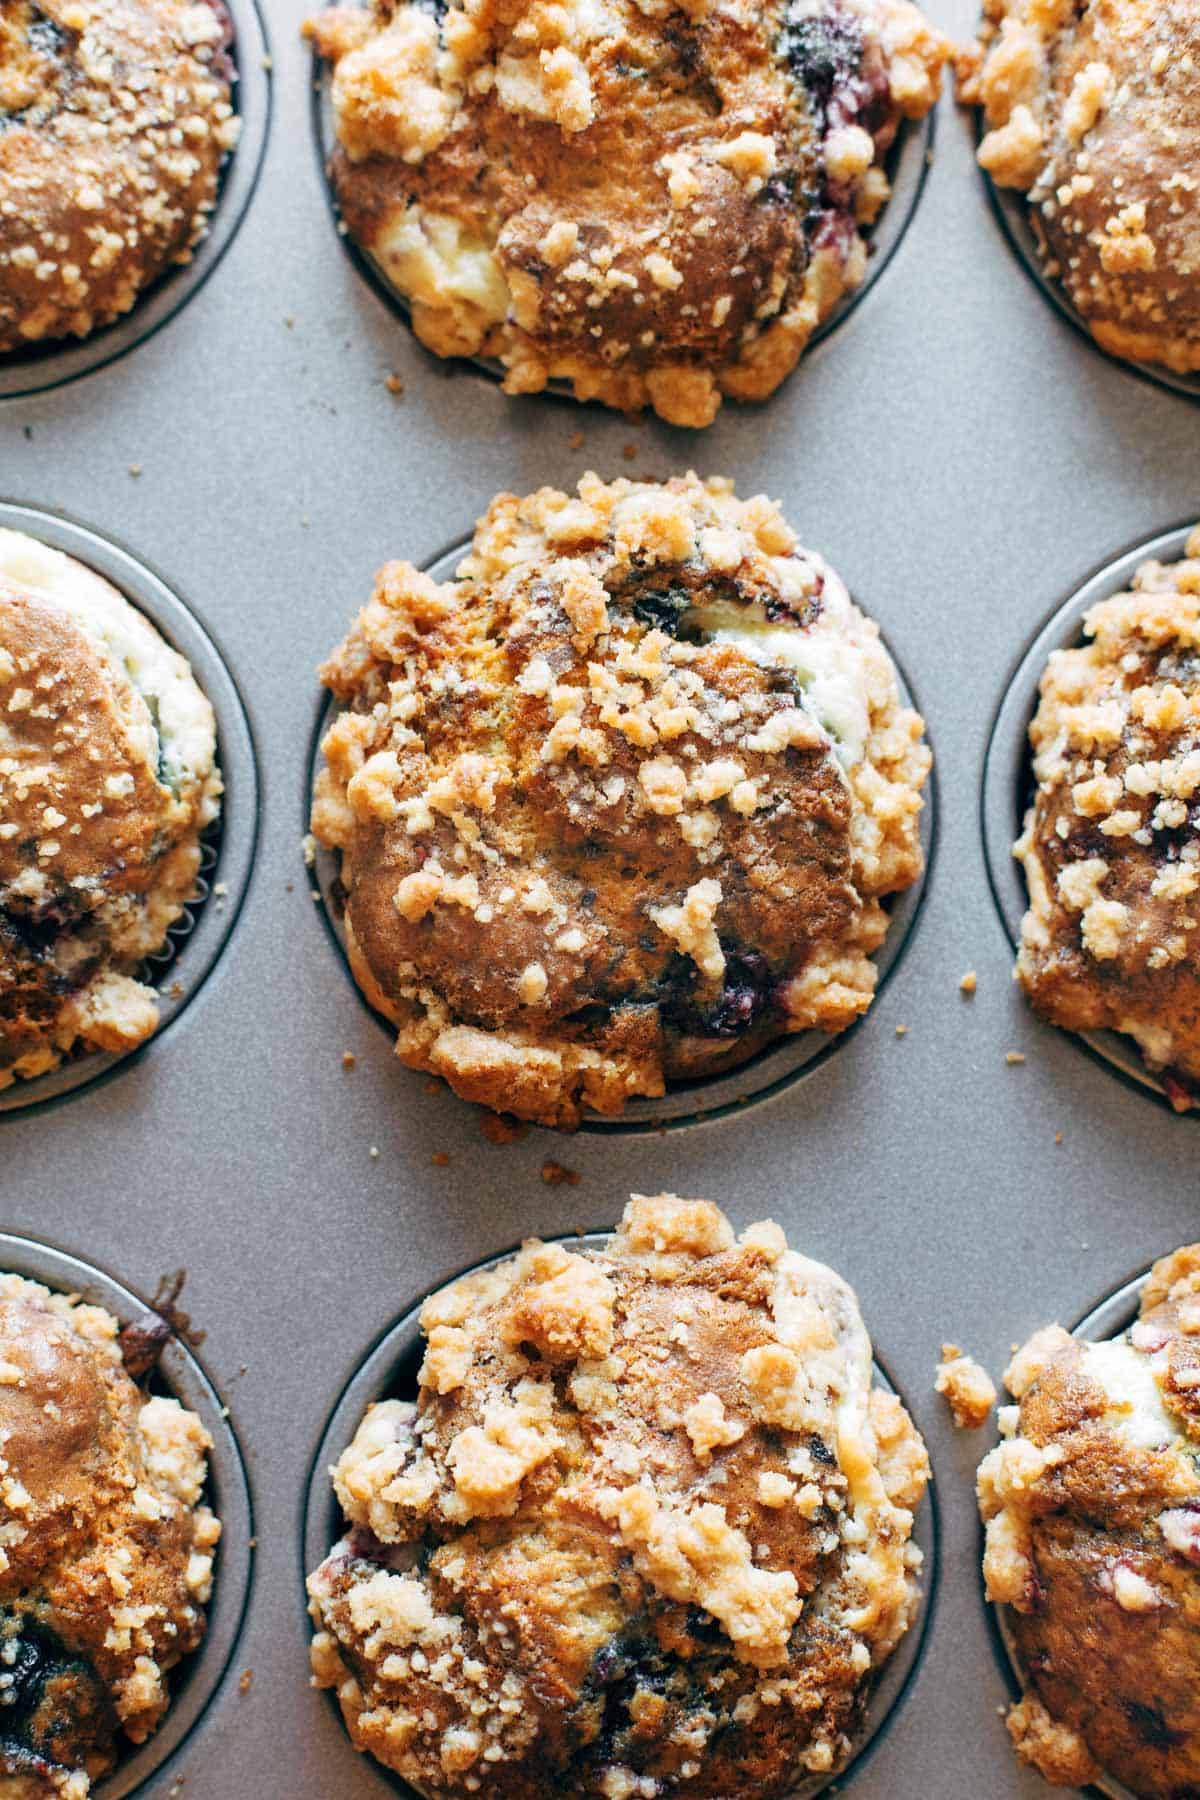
{"x": 1093, "y": 110}
{"x": 646, "y": 1532}
{"x": 107, "y": 1551}
{"x": 115, "y": 116}
{"x": 654, "y": 204}
{"x": 107, "y": 779}
{"x": 619, "y": 806}
{"x": 1092, "y": 1505}
{"x": 1111, "y": 845}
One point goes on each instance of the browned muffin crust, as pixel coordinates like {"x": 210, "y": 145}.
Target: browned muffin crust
{"x": 106, "y": 1557}
{"x": 107, "y": 780}
{"x": 1093, "y": 1542}
{"x": 115, "y": 116}
{"x": 1111, "y": 849}
{"x": 620, "y": 805}
{"x": 646, "y": 1533}
{"x": 1094, "y": 110}
{"x": 655, "y": 204}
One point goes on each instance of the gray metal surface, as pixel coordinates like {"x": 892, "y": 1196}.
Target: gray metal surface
{"x": 964, "y": 458}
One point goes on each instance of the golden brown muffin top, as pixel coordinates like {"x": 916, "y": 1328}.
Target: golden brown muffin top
{"x": 619, "y": 804}
{"x": 1110, "y": 847}
{"x": 647, "y": 1529}
{"x": 105, "y": 1553}
{"x": 107, "y": 778}
{"x": 1094, "y": 110}
{"x": 114, "y": 118}
{"x": 1092, "y": 1505}
{"x": 656, "y": 204}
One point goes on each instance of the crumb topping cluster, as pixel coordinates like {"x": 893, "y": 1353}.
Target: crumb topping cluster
{"x": 656, "y": 204}
{"x": 106, "y": 1551}
{"x": 1094, "y": 111}
{"x": 115, "y": 116}
{"x": 1110, "y": 849}
{"x": 107, "y": 780}
{"x": 1092, "y": 1506}
{"x": 646, "y": 1531}
{"x": 620, "y": 803}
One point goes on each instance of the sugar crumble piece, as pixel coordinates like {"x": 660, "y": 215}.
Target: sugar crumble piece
{"x": 967, "y": 1386}
{"x": 969, "y": 982}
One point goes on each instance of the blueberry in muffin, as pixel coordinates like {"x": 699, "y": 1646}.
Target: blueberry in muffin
{"x": 1092, "y": 1505}
{"x": 115, "y": 118}
{"x": 106, "y": 1548}
{"x": 1093, "y": 111}
{"x": 646, "y": 1531}
{"x": 1111, "y": 844}
{"x": 620, "y": 805}
{"x": 108, "y": 778}
{"x": 656, "y": 204}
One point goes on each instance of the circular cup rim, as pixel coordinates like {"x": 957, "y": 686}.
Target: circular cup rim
{"x": 1006, "y": 765}
{"x": 370, "y": 1380}
{"x": 200, "y": 953}
{"x": 54, "y": 362}
{"x": 207, "y": 1669}
{"x": 908, "y": 165}
{"x": 782, "y": 1062}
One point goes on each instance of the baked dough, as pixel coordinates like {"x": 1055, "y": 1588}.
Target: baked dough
{"x": 1092, "y": 1504}
{"x": 1110, "y": 848}
{"x": 107, "y": 1548}
{"x": 1093, "y": 109}
{"x": 647, "y": 1530}
{"x": 115, "y": 116}
{"x": 656, "y": 204}
{"x": 620, "y": 805}
{"x": 107, "y": 780}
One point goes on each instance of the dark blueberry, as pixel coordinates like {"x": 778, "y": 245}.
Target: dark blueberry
{"x": 663, "y": 609}
{"x": 703, "y": 1627}
{"x": 32, "y": 934}
{"x": 142, "y": 1344}
{"x": 45, "y": 36}
{"x": 824, "y": 51}
{"x": 819, "y": 1450}
{"x": 1151, "y": 1726}
{"x": 745, "y": 998}
{"x": 437, "y": 9}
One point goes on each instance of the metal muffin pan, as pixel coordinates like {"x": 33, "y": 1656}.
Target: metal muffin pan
{"x": 195, "y": 1680}
{"x": 1114, "y": 1314}
{"x": 389, "y": 1372}
{"x": 1008, "y": 785}
{"x": 47, "y": 364}
{"x": 963, "y": 458}
{"x": 197, "y": 938}
{"x": 688, "y": 1101}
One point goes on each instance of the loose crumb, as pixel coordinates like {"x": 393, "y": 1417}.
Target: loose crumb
{"x": 629, "y": 451}
{"x": 1014, "y": 1057}
{"x": 969, "y": 982}
{"x": 394, "y": 384}
{"x": 576, "y": 441}
{"x": 1058, "y": 1137}
{"x": 554, "y": 1174}
{"x": 374, "y": 1152}
{"x": 902, "y": 1031}
{"x": 502, "y": 1128}
{"x": 967, "y": 1386}
{"x": 135, "y": 469}
{"x": 440, "y": 1158}
{"x": 245, "y": 1681}
{"x": 349, "y": 1060}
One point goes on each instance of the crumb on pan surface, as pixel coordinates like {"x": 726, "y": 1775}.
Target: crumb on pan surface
{"x": 1092, "y": 1506}
{"x": 655, "y": 204}
{"x": 1093, "y": 110}
{"x": 106, "y": 1549}
{"x": 115, "y": 116}
{"x": 967, "y": 1388}
{"x": 107, "y": 780}
{"x": 1110, "y": 846}
{"x": 620, "y": 805}
{"x": 646, "y": 1532}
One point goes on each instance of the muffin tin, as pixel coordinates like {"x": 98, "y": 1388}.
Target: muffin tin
{"x": 964, "y": 459}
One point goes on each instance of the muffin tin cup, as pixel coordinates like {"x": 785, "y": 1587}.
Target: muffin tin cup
{"x": 51, "y": 362}
{"x": 1108, "y": 1319}
{"x": 389, "y": 1371}
{"x": 227, "y": 850}
{"x": 1012, "y": 209}
{"x": 194, "y": 1682}
{"x": 907, "y": 166}
{"x": 1008, "y": 785}
{"x": 715, "y": 1096}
